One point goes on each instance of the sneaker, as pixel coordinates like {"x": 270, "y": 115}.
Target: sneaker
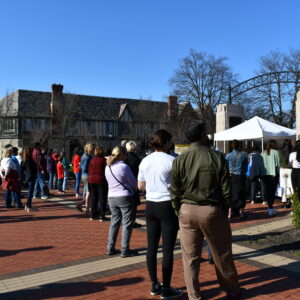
{"x": 44, "y": 197}
{"x": 272, "y": 212}
{"x": 103, "y": 219}
{"x": 210, "y": 259}
{"x": 77, "y": 195}
{"x": 128, "y": 253}
{"x": 243, "y": 215}
{"x": 30, "y": 209}
{"x": 170, "y": 293}
{"x": 137, "y": 225}
{"x": 252, "y": 202}
{"x": 93, "y": 219}
{"x": 112, "y": 252}
{"x": 155, "y": 289}
{"x": 264, "y": 203}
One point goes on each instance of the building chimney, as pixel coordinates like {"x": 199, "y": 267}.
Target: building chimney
{"x": 56, "y": 93}
{"x": 172, "y": 106}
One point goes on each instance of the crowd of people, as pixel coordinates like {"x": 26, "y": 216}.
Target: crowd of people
{"x": 196, "y": 192}
{"x": 37, "y": 169}
{"x": 254, "y": 171}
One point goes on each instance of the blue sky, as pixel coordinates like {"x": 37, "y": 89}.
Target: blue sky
{"x": 130, "y": 48}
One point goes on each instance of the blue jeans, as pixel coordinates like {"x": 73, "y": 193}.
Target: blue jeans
{"x": 60, "y": 184}
{"x": 31, "y": 184}
{"x": 66, "y": 174}
{"x": 77, "y": 182}
{"x": 8, "y": 197}
{"x": 84, "y": 178}
{"x": 51, "y": 179}
{"x": 40, "y": 183}
{"x": 122, "y": 210}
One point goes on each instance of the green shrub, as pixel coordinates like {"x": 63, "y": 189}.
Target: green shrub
{"x": 296, "y": 210}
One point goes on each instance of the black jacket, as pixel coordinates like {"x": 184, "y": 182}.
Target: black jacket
{"x": 30, "y": 169}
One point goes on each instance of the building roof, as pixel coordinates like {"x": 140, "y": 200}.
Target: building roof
{"x": 37, "y": 104}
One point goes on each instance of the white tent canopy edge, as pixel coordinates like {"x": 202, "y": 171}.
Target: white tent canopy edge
{"x": 255, "y": 129}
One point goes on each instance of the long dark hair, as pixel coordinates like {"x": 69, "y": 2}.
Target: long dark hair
{"x": 271, "y": 145}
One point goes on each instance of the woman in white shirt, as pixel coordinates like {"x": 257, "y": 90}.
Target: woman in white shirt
{"x": 294, "y": 160}
{"x": 154, "y": 177}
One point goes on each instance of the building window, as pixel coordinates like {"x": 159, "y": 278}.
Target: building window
{"x": 109, "y": 129}
{"x": 8, "y": 125}
{"x": 34, "y": 125}
{"x": 123, "y": 128}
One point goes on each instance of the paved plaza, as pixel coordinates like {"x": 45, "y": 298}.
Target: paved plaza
{"x": 57, "y": 253}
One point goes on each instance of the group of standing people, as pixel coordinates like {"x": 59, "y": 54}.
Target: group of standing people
{"x": 32, "y": 168}
{"x": 261, "y": 170}
{"x": 190, "y": 192}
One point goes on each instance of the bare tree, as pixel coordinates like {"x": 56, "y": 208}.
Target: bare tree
{"x": 203, "y": 80}
{"x": 276, "y": 101}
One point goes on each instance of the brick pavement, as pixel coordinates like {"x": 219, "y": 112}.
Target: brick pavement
{"x": 57, "y": 253}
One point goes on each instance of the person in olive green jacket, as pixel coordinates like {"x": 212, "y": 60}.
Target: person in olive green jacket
{"x": 270, "y": 175}
{"x": 201, "y": 197}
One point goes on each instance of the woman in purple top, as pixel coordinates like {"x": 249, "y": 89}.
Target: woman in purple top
{"x": 121, "y": 188}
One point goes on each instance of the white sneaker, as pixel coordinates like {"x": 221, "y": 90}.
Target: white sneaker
{"x": 272, "y": 212}
{"x": 44, "y": 197}
{"x": 265, "y": 203}
{"x": 77, "y": 195}
{"x": 29, "y": 209}
{"x": 252, "y": 202}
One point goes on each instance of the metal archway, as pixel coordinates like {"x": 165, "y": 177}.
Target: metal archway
{"x": 268, "y": 78}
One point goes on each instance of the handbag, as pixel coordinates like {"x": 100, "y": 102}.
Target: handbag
{"x": 136, "y": 194}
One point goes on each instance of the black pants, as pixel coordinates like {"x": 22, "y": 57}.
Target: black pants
{"x": 98, "y": 200}
{"x": 296, "y": 181}
{"x": 268, "y": 188}
{"x": 254, "y": 184}
{"x": 161, "y": 220}
{"x": 238, "y": 185}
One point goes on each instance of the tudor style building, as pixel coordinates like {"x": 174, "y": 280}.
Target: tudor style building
{"x": 63, "y": 121}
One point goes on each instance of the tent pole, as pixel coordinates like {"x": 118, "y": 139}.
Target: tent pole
{"x": 262, "y": 144}
{"x": 224, "y": 145}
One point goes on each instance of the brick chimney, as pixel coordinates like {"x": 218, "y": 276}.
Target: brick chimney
{"x": 172, "y": 106}
{"x": 56, "y": 94}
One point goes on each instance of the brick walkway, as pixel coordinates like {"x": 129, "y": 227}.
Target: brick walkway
{"x": 57, "y": 253}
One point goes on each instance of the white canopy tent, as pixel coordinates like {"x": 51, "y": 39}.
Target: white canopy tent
{"x": 254, "y": 129}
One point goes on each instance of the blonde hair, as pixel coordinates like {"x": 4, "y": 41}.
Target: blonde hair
{"x": 89, "y": 148}
{"x": 7, "y": 152}
{"x": 99, "y": 151}
{"x": 115, "y": 155}
{"x": 130, "y": 146}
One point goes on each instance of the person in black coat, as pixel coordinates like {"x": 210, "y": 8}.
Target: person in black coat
{"x": 29, "y": 168}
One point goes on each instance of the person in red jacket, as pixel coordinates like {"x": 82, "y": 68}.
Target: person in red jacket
{"x": 98, "y": 185}
{"x": 76, "y": 169}
{"x": 60, "y": 174}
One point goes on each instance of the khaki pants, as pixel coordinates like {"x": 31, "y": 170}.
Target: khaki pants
{"x": 197, "y": 222}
